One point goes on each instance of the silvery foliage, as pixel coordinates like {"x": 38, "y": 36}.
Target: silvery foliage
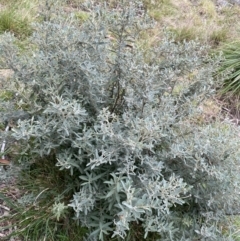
{"x": 121, "y": 120}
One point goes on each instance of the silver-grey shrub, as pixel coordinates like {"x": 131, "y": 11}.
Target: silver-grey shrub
{"x": 122, "y": 121}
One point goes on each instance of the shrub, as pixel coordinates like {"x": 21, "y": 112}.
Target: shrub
{"x": 119, "y": 121}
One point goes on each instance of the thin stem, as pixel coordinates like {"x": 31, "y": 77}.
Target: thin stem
{"x": 4, "y": 143}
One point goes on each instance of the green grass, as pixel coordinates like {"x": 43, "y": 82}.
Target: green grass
{"x": 12, "y": 22}
{"x": 42, "y": 186}
{"x": 235, "y": 228}
{"x": 231, "y": 67}
{"x": 16, "y": 17}
{"x": 82, "y": 16}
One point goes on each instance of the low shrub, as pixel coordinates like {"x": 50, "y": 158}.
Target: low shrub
{"x": 118, "y": 127}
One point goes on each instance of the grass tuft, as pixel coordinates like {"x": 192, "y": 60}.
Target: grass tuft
{"x": 218, "y": 36}
{"x": 10, "y": 21}
{"x": 16, "y": 17}
{"x": 208, "y": 8}
{"x": 184, "y": 34}
{"x": 37, "y": 215}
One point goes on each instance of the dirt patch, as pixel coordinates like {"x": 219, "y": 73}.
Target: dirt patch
{"x": 5, "y": 73}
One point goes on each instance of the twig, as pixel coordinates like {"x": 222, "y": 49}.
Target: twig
{"x": 4, "y": 207}
{"x": 4, "y": 143}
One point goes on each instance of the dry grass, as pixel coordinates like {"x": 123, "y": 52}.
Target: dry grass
{"x": 202, "y": 20}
